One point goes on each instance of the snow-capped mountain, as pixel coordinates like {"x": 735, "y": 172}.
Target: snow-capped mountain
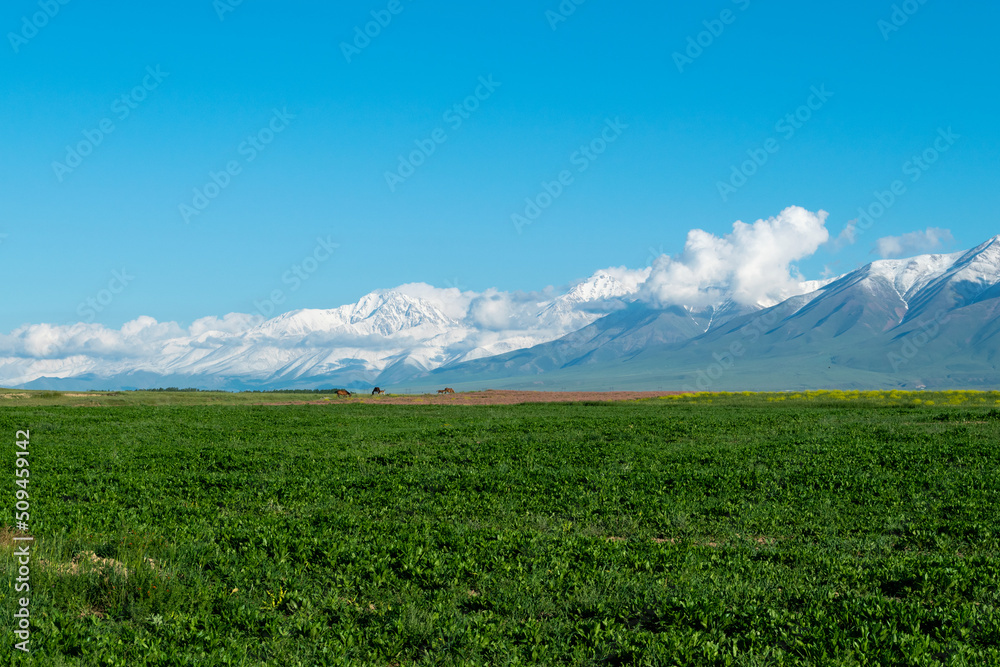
{"x": 927, "y": 321}
{"x": 931, "y": 320}
{"x": 576, "y": 308}
{"x": 379, "y": 313}
{"x": 387, "y": 335}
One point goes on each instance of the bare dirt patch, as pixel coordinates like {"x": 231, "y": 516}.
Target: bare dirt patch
{"x": 94, "y": 561}
{"x": 96, "y": 612}
{"x": 491, "y": 397}
{"x": 7, "y": 535}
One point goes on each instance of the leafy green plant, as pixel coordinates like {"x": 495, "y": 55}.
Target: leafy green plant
{"x": 854, "y": 529}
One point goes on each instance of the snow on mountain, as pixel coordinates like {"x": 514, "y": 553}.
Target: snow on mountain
{"x": 599, "y": 287}
{"x": 379, "y": 313}
{"x": 384, "y": 329}
{"x": 973, "y": 274}
{"x": 586, "y": 302}
{"x": 913, "y": 285}
{"x": 391, "y": 335}
{"x": 906, "y": 277}
{"x": 854, "y": 331}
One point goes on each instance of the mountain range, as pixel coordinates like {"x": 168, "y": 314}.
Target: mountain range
{"x": 928, "y": 321}
{"x": 386, "y": 337}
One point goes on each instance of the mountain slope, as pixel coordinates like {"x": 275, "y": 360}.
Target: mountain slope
{"x": 925, "y": 321}
{"x": 387, "y": 336}
{"x": 930, "y": 320}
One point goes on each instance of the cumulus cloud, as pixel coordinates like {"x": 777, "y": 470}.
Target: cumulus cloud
{"x": 491, "y": 311}
{"x": 847, "y": 236}
{"x": 138, "y": 338}
{"x": 494, "y": 310}
{"x": 752, "y": 264}
{"x": 630, "y": 278}
{"x": 451, "y": 301}
{"x": 913, "y": 243}
{"x": 233, "y": 323}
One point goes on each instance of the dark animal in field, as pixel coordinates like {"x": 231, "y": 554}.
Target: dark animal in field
{"x": 446, "y": 390}
{"x": 343, "y": 392}
{"x": 377, "y": 390}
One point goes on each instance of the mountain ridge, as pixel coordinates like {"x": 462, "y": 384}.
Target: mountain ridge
{"x": 887, "y": 320}
{"x": 869, "y": 323}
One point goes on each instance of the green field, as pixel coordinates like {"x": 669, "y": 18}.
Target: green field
{"x": 775, "y": 529}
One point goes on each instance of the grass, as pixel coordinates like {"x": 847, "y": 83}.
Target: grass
{"x": 830, "y": 528}
{"x": 23, "y": 397}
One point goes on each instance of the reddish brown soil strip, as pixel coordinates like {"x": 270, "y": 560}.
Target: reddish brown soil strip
{"x": 489, "y": 397}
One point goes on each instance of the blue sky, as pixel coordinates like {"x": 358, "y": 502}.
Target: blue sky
{"x": 201, "y": 91}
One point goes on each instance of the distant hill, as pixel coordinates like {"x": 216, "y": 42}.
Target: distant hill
{"x": 930, "y": 321}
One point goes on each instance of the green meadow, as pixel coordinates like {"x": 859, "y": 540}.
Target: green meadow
{"x": 197, "y": 528}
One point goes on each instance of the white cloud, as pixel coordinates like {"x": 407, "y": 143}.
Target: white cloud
{"x": 233, "y": 323}
{"x": 494, "y": 310}
{"x": 752, "y": 264}
{"x": 847, "y": 236}
{"x": 449, "y": 300}
{"x": 630, "y": 278}
{"x": 913, "y": 243}
{"x": 138, "y": 338}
